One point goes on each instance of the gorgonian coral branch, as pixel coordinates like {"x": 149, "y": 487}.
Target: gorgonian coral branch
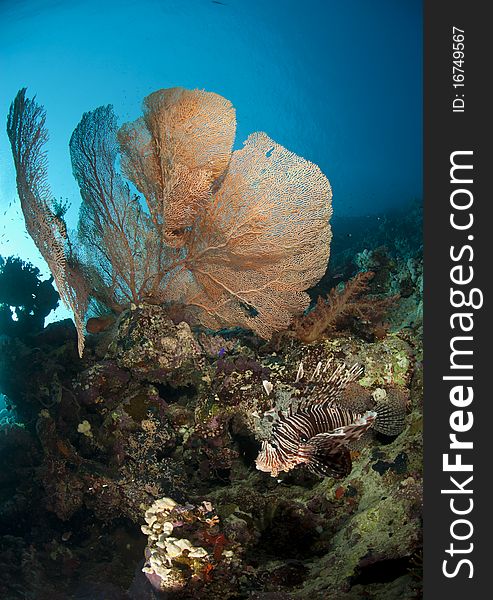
{"x": 235, "y": 238}
{"x": 28, "y": 136}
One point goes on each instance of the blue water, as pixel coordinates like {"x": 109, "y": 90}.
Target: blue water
{"x": 336, "y": 82}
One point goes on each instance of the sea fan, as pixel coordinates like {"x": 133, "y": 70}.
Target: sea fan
{"x": 233, "y": 237}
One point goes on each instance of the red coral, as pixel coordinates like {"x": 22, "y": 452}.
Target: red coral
{"x": 218, "y": 542}
{"x": 339, "y": 493}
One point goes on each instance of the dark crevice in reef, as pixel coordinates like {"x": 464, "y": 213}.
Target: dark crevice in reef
{"x": 248, "y": 448}
{"x": 164, "y": 453}
{"x": 383, "y": 439}
{"x": 220, "y": 477}
{"x": 289, "y": 535}
{"x": 382, "y": 571}
{"x": 173, "y": 394}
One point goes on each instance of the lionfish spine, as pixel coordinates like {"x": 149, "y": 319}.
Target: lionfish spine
{"x": 322, "y": 388}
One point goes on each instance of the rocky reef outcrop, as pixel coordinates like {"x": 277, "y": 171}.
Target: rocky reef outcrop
{"x": 131, "y": 473}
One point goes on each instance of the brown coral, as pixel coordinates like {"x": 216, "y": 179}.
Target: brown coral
{"x": 342, "y": 306}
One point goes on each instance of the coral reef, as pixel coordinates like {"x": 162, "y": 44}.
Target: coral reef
{"x": 147, "y": 337}
{"x": 130, "y": 474}
{"x": 25, "y": 300}
{"x": 183, "y": 564}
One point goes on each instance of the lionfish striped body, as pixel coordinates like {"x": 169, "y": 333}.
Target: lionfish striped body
{"x": 316, "y": 433}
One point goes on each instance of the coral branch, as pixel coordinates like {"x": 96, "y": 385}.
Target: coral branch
{"x": 28, "y": 135}
{"x": 337, "y": 311}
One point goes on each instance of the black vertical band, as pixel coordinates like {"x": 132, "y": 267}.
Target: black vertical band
{"x": 458, "y": 264}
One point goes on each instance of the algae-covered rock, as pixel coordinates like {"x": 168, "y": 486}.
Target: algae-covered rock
{"x": 149, "y": 344}
{"x": 386, "y": 361}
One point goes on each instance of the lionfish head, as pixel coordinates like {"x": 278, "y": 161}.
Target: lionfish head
{"x": 268, "y": 459}
{"x": 271, "y": 460}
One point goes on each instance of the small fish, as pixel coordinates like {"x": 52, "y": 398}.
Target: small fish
{"x": 317, "y": 433}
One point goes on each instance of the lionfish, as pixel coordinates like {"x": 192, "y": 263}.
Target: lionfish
{"x": 318, "y": 430}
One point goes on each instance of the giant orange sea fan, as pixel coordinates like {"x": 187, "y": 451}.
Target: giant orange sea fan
{"x": 233, "y": 237}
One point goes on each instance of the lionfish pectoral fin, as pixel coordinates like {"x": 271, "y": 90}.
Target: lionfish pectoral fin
{"x": 350, "y": 433}
{"x": 327, "y": 457}
{"x": 327, "y": 454}
{"x": 391, "y": 417}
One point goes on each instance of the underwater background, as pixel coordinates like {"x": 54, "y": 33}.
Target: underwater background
{"x": 134, "y": 472}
